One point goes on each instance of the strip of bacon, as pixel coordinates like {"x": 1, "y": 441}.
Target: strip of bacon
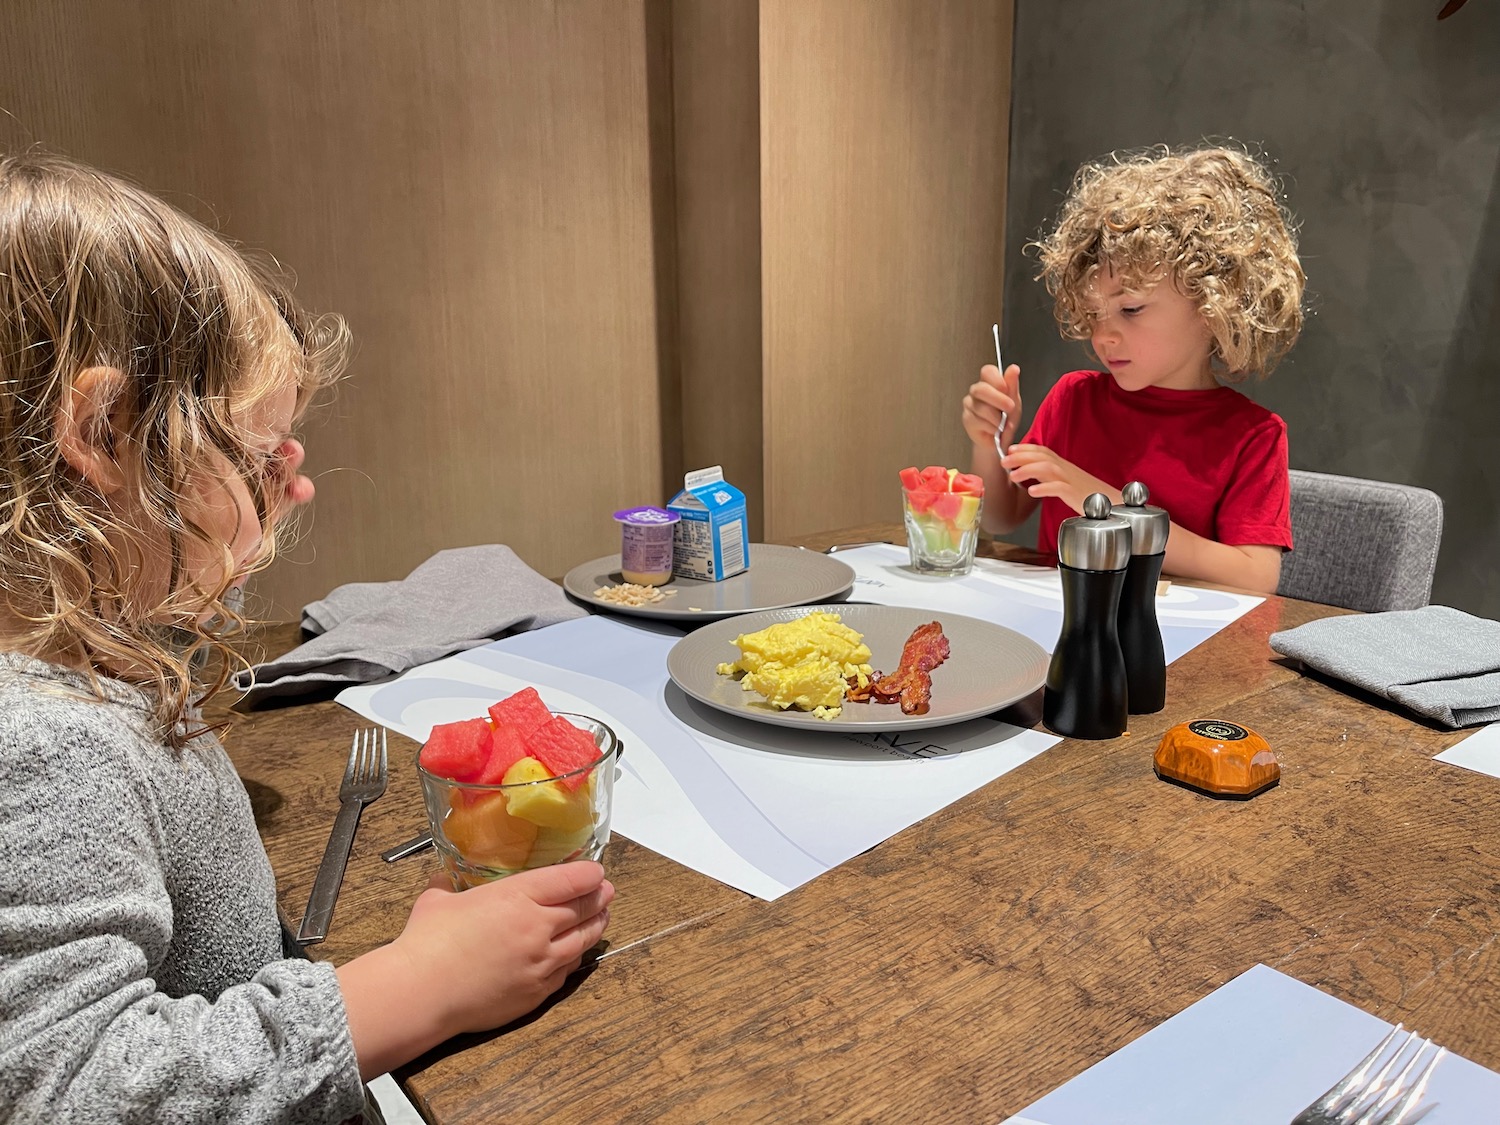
{"x": 911, "y": 683}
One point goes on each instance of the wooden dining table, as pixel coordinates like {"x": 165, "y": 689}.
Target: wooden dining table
{"x": 970, "y": 964}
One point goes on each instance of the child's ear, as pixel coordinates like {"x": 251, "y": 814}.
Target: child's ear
{"x": 85, "y": 429}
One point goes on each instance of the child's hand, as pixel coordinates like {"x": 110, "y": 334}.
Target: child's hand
{"x": 986, "y": 400}
{"x": 296, "y": 488}
{"x": 494, "y": 952}
{"x": 1044, "y": 473}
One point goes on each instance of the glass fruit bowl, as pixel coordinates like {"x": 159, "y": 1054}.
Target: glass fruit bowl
{"x": 486, "y": 832}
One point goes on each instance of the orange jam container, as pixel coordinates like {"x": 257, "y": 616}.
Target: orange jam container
{"x": 646, "y": 536}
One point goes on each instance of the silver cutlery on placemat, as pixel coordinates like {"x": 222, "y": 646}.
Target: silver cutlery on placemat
{"x": 411, "y": 847}
{"x": 1382, "y": 1098}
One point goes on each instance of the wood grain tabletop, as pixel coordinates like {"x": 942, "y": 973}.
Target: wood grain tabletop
{"x": 970, "y": 964}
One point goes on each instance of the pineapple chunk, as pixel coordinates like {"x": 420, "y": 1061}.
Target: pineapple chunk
{"x": 545, "y": 802}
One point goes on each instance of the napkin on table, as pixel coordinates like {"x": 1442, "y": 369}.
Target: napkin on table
{"x": 1437, "y": 661}
{"x": 458, "y": 599}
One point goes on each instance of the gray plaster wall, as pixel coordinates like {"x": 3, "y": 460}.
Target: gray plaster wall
{"x": 1384, "y": 124}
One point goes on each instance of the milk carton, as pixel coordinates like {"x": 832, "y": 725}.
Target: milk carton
{"x": 712, "y": 541}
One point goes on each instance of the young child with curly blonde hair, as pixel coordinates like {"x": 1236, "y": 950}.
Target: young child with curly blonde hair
{"x": 150, "y": 380}
{"x": 1180, "y": 269}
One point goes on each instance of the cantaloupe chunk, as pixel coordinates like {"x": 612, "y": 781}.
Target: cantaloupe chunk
{"x": 485, "y": 832}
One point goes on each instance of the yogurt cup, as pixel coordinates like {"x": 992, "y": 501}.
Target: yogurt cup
{"x": 646, "y": 536}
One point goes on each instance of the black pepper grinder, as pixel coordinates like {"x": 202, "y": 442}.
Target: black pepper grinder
{"x": 1087, "y": 693}
{"x": 1140, "y": 634}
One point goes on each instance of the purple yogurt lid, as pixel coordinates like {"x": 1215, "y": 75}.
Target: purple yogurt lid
{"x": 646, "y": 517}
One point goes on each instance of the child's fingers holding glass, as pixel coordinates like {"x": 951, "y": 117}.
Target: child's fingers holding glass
{"x": 561, "y": 884}
{"x": 585, "y": 908}
{"x": 572, "y": 944}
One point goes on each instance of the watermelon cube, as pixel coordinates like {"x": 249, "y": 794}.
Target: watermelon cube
{"x": 507, "y": 747}
{"x": 921, "y": 500}
{"x": 946, "y": 505}
{"x": 524, "y": 710}
{"x": 935, "y": 477}
{"x": 970, "y": 483}
{"x": 911, "y": 478}
{"x": 562, "y": 748}
{"x": 457, "y": 751}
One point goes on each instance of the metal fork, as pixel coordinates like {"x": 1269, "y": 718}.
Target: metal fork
{"x": 364, "y": 781}
{"x": 1362, "y": 1098}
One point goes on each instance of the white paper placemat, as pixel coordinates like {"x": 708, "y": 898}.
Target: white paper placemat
{"x": 761, "y": 808}
{"x": 1254, "y": 1052}
{"x": 1479, "y": 752}
{"x": 1028, "y": 599}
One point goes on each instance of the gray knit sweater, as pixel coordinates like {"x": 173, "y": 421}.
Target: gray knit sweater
{"x": 142, "y": 977}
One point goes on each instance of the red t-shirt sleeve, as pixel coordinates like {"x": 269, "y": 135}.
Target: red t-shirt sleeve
{"x": 1256, "y": 508}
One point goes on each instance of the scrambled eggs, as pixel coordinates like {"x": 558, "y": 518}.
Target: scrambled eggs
{"x": 802, "y": 663}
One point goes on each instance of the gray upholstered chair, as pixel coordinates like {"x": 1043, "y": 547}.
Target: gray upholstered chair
{"x": 1361, "y": 544}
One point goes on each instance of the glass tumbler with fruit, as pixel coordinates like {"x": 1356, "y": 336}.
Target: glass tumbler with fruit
{"x": 521, "y": 788}
{"x": 942, "y": 509}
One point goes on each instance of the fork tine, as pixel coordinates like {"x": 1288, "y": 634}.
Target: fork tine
{"x": 351, "y": 770}
{"x": 371, "y": 759}
{"x": 1370, "y": 1101}
{"x": 1406, "y": 1097}
{"x": 383, "y": 773}
{"x": 1349, "y": 1088}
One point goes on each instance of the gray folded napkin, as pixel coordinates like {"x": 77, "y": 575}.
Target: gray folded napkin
{"x": 345, "y": 601}
{"x": 456, "y": 600}
{"x": 1437, "y": 661}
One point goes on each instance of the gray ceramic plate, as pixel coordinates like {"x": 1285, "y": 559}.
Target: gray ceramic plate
{"x": 777, "y": 577}
{"x": 988, "y": 667}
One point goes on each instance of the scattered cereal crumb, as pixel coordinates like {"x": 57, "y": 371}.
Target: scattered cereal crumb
{"x": 628, "y": 593}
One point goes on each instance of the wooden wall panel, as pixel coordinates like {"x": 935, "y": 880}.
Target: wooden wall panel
{"x": 716, "y": 109}
{"x": 469, "y": 183}
{"x": 582, "y": 244}
{"x": 883, "y": 140}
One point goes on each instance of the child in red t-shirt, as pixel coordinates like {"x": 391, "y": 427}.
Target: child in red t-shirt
{"x": 1181, "y": 270}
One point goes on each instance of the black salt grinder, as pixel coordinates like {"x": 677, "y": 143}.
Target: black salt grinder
{"x": 1086, "y": 693}
{"x": 1140, "y": 634}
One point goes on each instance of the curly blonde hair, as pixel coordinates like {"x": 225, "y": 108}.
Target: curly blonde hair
{"x": 96, "y": 272}
{"x": 1210, "y": 220}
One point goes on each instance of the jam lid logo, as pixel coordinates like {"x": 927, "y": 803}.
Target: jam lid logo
{"x": 1219, "y": 729}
